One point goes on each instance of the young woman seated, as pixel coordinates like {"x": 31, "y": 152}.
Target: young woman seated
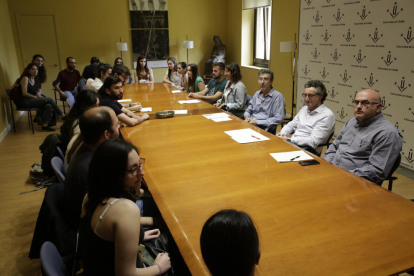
{"x": 171, "y": 76}
{"x": 143, "y": 74}
{"x": 31, "y": 96}
{"x": 195, "y": 82}
{"x": 110, "y": 227}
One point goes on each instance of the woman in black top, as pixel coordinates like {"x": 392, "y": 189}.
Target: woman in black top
{"x": 31, "y": 96}
{"x": 110, "y": 228}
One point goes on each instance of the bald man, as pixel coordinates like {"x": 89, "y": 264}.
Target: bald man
{"x": 96, "y": 125}
{"x": 368, "y": 144}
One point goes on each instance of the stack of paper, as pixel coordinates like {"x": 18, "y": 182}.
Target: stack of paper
{"x": 176, "y": 91}
{"x": 146, "y": 109}
{"x": 291, "y": 156}
{"x": 246, "y": 135}
{"x": 189, "y": 101}
{"x": 124, "y": 100}
{"x": 218, "y": 117}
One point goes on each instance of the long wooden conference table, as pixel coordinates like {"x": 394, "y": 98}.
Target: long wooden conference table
{"x": 314, "y": 220}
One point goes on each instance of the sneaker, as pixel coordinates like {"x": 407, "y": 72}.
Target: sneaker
{"x": 47, "y": 128}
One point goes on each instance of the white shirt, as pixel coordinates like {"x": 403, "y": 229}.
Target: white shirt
{"x": 175, "y": 78}
{"x": 311, "y": 128}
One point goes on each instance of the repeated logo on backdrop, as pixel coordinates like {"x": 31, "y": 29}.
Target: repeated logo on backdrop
{"x": 352, "y": 45}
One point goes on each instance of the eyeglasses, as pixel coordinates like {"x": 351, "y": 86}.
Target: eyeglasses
{"x": 72, "y": 62}
{"x": 364, "y": 103}
{"x": 123, "y": 77}
{"x": 310, "y": 96}
{"x": 134, "y": 170}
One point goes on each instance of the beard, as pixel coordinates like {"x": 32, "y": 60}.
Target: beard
{"x": 117, "y": 96}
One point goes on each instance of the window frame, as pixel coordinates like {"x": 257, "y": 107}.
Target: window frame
{"x": 257, "y": 61}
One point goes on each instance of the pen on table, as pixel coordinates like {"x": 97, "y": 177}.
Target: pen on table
{"x": 256, "y": 137}
{"x": 295, "y": 158}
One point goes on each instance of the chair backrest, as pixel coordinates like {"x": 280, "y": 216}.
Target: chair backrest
{"x": 60, "y": 153}
{"x": 328, "y": 142}
{"x": 248, "y": 99}
{"x": 59, "y": 168}
{"x": 51, "y": 260}
{"x": 394, "y": 167}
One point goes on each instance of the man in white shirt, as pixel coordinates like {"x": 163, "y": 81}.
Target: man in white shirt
{"x": 314, "y": 123}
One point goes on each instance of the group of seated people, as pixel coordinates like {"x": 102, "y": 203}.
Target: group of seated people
{"x": 104, "y": 183}
{"x": 103, "y": 187}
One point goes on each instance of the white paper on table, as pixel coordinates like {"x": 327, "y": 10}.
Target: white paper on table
{"x": 146, "y": 109}
{"x": 282, "y": 157}
{"x": 189, "y": 101}
{"x": 246, "y": 135}
{"x": 176, "y": 91}
{"x": 216, "y": 115}
{"x": 124, "y": 100}
{"x": 243, "y": 139}
{"x": 180, "y": 111}
{"x": 222, "y": 119}
{"x": 247, "y": 132}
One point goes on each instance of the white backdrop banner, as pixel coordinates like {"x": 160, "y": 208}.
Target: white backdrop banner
{"x": 355, "y": 45}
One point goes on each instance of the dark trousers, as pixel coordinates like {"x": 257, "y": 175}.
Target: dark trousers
{"x": 45, "y": 103}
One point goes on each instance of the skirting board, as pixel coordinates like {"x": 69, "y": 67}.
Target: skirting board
{"x": 5, "y": 131}
{"x": 9, "y": 126}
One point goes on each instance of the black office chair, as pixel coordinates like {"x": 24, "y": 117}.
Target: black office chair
{"x": 64, "y": 102}
{"x": 327, "y": 143}
{"x": 391, "y": 178}
{"x": 21, "y": 108}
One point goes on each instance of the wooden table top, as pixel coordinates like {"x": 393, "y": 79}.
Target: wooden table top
{"x": 314, "y": 220}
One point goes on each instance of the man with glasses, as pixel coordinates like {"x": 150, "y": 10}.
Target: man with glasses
{"x": 67, "y": 81}
{"x": 314, "y": 123}
{"x": 368, "y": 145}
{"x": 267, "y": 107}
{"x": 122, "y": 72}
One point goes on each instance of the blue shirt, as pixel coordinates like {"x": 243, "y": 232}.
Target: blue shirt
{"x": 268, "y": 110}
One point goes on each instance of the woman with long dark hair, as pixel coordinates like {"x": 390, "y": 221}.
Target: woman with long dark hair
{"x": 143, "y": 74}
{"x": 31, "y": 96}
{"x": 172, "y": 77}
{"x": 230, "y": 244}
{"x": 182, "y": 70}
{"x": 235, "y": 92}
{"x": 39, "y": 61}
{"x": 195, "y": 82}
{"x": 110, "y": 228}
{"x": 118, "y": 61}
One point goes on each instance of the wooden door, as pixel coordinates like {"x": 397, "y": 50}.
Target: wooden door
{"x": 37, "y": 35}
